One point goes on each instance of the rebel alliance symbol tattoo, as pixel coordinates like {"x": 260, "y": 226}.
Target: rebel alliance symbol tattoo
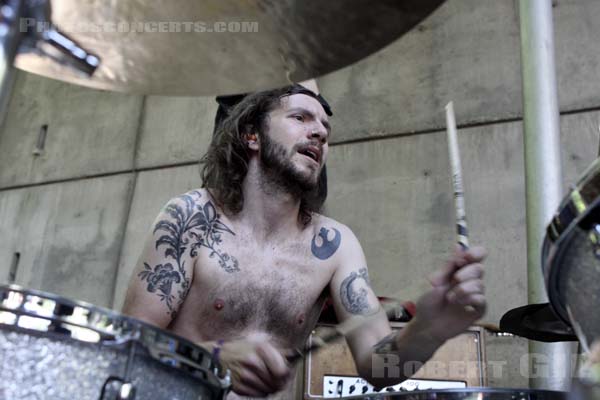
{"x": 328, "y": 247}
{"x": 354, "y": 293}
{"x": 194, "y": 226}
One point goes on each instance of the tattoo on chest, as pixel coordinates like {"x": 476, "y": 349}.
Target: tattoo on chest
{"x": 354, "y": 294}
{"x": 327, "y": 247}
{"x": 190, "y": 227}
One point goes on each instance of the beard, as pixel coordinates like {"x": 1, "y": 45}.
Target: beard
{"x": 282, "y": 172}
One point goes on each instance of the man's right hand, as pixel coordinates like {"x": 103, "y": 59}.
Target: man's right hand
{"x": 257, "y": 367}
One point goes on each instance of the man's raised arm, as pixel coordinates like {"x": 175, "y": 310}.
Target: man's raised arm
{"x": 384, "y": 358}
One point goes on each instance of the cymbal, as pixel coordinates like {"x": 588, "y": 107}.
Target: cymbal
{"x": 537, "y": 322}
{"x": 193, "y": 47}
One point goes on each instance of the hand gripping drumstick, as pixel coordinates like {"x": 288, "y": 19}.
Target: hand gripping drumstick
{"x": 457, "y": 183}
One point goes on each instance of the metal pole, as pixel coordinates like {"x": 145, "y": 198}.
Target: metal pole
{"x": 549, "y": 363}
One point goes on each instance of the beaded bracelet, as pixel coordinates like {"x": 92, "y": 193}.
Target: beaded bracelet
{"x": 217, "y": 350}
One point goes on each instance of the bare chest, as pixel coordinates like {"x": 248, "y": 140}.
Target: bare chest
{"x": 243, "y": 288}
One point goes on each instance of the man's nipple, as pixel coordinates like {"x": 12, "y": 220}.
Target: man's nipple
{"x": 301, "y": 318}
{"x": 218, "y": 304}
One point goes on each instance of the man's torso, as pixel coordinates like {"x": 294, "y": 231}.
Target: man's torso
{"x": 244, "y": 287}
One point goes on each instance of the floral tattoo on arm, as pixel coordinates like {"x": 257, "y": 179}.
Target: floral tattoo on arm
{"x": 189, "y": 228}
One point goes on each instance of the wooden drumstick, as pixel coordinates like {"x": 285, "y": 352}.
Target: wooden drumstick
{"x": 457, "y": 182}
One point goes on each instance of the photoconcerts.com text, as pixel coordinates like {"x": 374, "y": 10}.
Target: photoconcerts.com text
{"x": 29, "y": 24}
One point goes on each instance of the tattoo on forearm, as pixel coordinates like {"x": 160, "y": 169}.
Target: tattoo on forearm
{"x": 387, "y": 345}
{"x": 354, "y": 293}
{"x": 192, "y": 227}
{"x": 327, "y": 247}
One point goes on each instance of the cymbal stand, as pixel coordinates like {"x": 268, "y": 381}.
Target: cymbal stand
{"x": 25, "y": 26}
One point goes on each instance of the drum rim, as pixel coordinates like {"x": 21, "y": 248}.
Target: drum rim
{"x": 63, "y": 300}
{"x": 469, "y": 390}
{"x": 129, "y": 330}
{"x": 555, "y": 228}
{"x": 556, "y": 250}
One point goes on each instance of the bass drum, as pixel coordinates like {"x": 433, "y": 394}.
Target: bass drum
{"x": 55, "y": 348}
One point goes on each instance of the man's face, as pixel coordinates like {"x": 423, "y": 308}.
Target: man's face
{"x": 295, "y": 143}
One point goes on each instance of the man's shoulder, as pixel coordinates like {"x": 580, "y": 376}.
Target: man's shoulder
{"x": 195, "y": 196}
{"x": 191, "y": 200}
{"x": 321, "y": 221}
{"x": 329, "y": 228}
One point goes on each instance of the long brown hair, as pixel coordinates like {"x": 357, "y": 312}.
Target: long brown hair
{"x": 225, "y": 164}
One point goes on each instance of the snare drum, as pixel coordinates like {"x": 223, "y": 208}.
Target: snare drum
{"x": 55, "y": 348}
{"x": 571, "y": 257}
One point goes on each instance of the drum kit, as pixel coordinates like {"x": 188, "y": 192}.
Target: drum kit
{"x": 53, "y": 347}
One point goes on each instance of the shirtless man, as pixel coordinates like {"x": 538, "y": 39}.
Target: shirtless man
{"x": 246, "y": 262}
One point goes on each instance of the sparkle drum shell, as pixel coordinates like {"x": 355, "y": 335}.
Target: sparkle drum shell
{"x": 52, "y": 347}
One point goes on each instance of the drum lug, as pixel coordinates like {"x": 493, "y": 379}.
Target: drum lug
{"x": 127, "y": 391}
{"x": 594, "y": 236}
{"x": 225, "y": 381}
{"x": 110, "y": 390}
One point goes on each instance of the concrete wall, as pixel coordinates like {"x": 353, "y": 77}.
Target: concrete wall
{"x": 68, "y": 236}
{"x": 88, "y": 132}
{"x": 77, "y": 213}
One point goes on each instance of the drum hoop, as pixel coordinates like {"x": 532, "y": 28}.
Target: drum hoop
{"x": 463, "y": 391}
{"x": 552, "y": 276}
{"x": 578, "y": 201}
{"x": 112, "y": 329}
{"x": 554, "y": 232}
